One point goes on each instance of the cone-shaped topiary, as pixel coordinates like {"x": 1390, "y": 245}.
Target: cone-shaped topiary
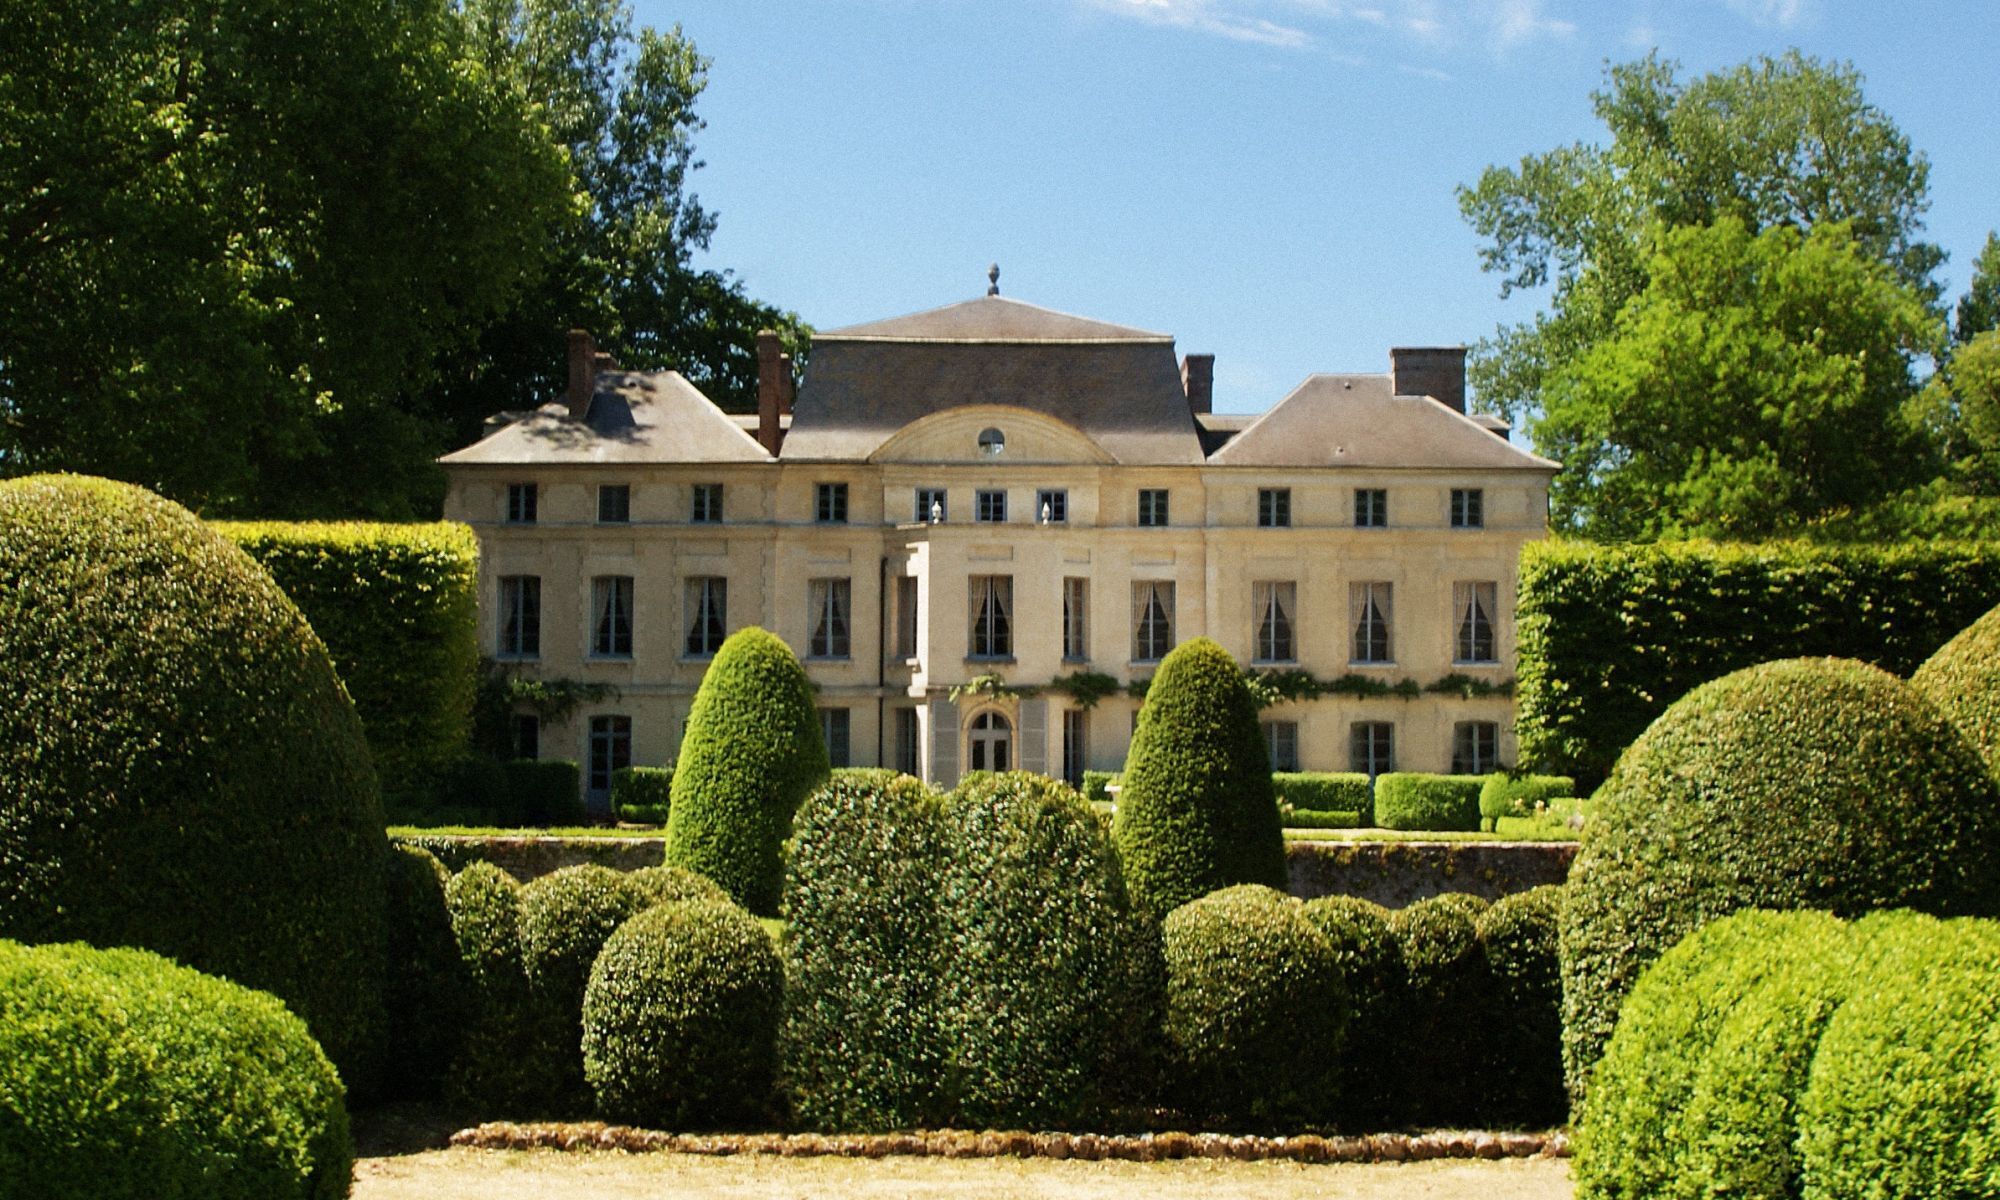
{"x": 1806, "y": 783}
{"x": 752, "y": 753}
{"x": 1196, "y": 812}
{"x": 124, "y": 1076}
{"x": 1963, "y": 679}
{"x": 862, "y": 1046}
{"x": 680, "y": 1022}
{"x": 180, "y": 769}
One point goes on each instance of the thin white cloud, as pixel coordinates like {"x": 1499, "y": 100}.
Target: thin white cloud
{"x": 1495, "y": 25}
{"x": 1203, "y": 17}
{"x": 1782, "y": 14}
{"x": 1427, "y": 73}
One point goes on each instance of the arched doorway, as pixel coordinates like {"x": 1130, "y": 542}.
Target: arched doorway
{"x": 991, "y": 739}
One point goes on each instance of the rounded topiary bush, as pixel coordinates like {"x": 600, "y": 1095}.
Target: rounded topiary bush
{"x": 1522, "y": 1083}
{"x": 1447, "y": 998}
{"x": 1807, "y": 783}
{"x": 565, "y": 917}
{"x": 1370, "y": 964}
{"x": 1196, "y": 811}
{"x": 1256, "y": 1014}
{"x": 518, "y": 1055}
{"x": 427, "y": 985}
{"x": 751, "y": 754}
{"x": 1963, "y": 679}
{"x": 180, "y": 769}
{"x": 862, "y": 1047}
{"x": 665, "y": 884}
{"x": 1044, "y": 1002}
{"x": 123, "y": 1075}
{"x": 680, "y": 1022}
{"x": 1903, "y": 1098}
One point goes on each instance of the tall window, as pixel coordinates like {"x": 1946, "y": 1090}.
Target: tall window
{"x": 1468, "y": 508}
{"x": 1371, "y": 508}
{"x": 829, "y": 605}
{"x": 931, "y": 505}
{"x": 1275, "y": 604}
{"x": 830, "y": 503}
{"x": 833, "y": 727}
{"x": 1152, "y": 620}
{"x": 1052, "y": 506}
{"x": 1370, "y": 610}
{"x": 906, "y": 616}
{"x": 1076, "y": 745}
{"x": 610, "y": 750}
{"x": 614, "y": 503}
{"x": 1472, "y": 620}
{"x": 1076, "y": 629}
{"x": 1475, "y": 747}
{"x": 1371, "y": 747}
{"x": 992, "y": 616}
{"x": 1274, "y": 507}
{"x": 526, "y": 741}
{"x": 992, "y": 740}
{"x": 707, "y": 614}
{"x": 707, "y": 504}
{"x": 520, "y": 616}
{"x": 611, "y": 629}
{"x": 908, "y": 759}
{"x": 521, "y": 503}
{"x": 1281, "y": 740}
{"x": 989, "y": 505}
{"x": 1152, "y": 506}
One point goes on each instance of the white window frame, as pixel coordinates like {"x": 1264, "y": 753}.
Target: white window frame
{"x": 1076, "y": 745}
{"x": 523, "y": 503}
{"x": 1468, "y": 508}
{"x": 520, "y": 616}
{"x": 928, "y": 498}
{"x": 1274, "y": 508}
{"x": 830, "y": 503}
{"x": 1371, "y": 622}
{"x": 705, "y": 504}
{"x": 1475, "y": 747}
{"x": 836, "y": 729}
{"x": 830, "y": 618}
{"x": 1371, "y": 508}
{"x": 610, "y": 749}
{"x": 1155, "y": 509}
{"x": 614, "y": 504}
{"x": 707, "y": 615}
{"x": 1076, "y": 618}
{"x": 611, "y": 623}
{"x": 1473, "y": 628}
{"x": 1275, "y": 604}
{"x": 1281, "y": 744}
{"x": 1152, "y": 619}
{"x": 1055, "y": 502}
{"x": 1371, "y": 747}
{"x": 991, "y": 632}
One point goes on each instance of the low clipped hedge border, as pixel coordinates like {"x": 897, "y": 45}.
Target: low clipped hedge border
{"x": 642, "y": 793}
{"x": 1324, "y": 791}
{"x": 1412, "y": 800}
{"x": 1611, "y": 635}
{"x": 397, "y": 606}
{"x": 1505, "y": 795}
{"x": 544, "y": 791}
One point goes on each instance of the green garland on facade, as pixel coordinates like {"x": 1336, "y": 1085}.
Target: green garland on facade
{"x": 1289, "y": 686}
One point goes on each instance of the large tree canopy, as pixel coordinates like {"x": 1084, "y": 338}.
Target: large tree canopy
{"x": 234, "y": 232}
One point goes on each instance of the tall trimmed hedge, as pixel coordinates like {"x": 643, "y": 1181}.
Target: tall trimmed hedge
{"x": 126, "y": 1077}
{"x": 1611, "y": 635}
{"x": 398, "y": 609}
{"x": 180, "y": 768}
{"x": 1963, "y": 679}
{"x": 1808, "y": 783}
{"x": 1196, "y": 812}
{"x": 752, "y": 753}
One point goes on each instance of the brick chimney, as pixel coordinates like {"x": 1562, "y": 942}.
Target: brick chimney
{"x": 1198, "y": 381}
{"x": 774, "y": 389}
{"x": 1434, "y": 371}
{"x": 583, "y": 358}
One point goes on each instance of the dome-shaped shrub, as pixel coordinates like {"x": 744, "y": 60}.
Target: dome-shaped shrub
{"x": 862, "y": 1047}
{"x": 1963, "y": 679}
{"x": 680, "y": 1022}
{"x": 751, "y": 754}
{"x": 519, "y": 1053}
{"x": 1447, "y": 1002}
{"x": 1371, "y": 971}
{"x": 565, "y": 917}
{"x": 1522, "y": 1082}
{"x": 1044, "y": 1004}
{"x": 1196, "y": 812}
{"x": 1807, "y": 783}
{"x": 180, "y": 769}
{"x": 666, "y": 884}
{"x": 1255, "y": 1010}
{"x": 426, "y": 990}
{"x": 126, "y": 1077}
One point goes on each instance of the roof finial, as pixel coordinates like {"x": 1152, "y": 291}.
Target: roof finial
{"x": 993, "y": 280}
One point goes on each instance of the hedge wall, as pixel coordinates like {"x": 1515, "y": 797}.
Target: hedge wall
{"x": 397, "y": 606}
{"x": 1611, "y": 635}
{"x": 1324, "y": 791}
{"x": 1412, "y": 800}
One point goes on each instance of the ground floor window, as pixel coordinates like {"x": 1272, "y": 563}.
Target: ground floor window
{"x": 610, "y": 750}
{"x": 527, "y": 735}
{"x": 1372, "y": 747}
{"x": 1475, "y": 747}
{"x": 907, "y": 756}
{"x": 834, "y": 726}
{"x": 1076, "y": 745}
{"x": 1281, "y": 739}
{"x": 992, "y": 739}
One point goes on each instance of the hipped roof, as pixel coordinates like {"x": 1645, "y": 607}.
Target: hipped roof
{"x": 635, "y": 417}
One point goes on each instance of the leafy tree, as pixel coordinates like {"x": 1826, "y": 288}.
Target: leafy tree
{"x": 1979, "y": 308}
{"x": 621, "y": 100}
{"x": 233, "y": 235}
{"x": 1757, "y": 380}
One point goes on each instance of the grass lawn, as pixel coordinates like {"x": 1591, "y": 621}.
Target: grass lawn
{"x": 552, "y": 1175}
{"x": 566, "y": 831}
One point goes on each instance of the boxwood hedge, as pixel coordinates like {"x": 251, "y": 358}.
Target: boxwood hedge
{"x": 518, "y": 1051}
{"x": 1324, "y": 791}
{"x": 680, "y": 1020}
{"x": 1504, "y": 795}
{"x": 544, "y": 791}
{"x": 397, "y": 606}
{"x": 126, "y": 1077}
{"x": 180, "y": 768}
{"x": 1196, "y": 811}
{"x": 1370, "y": 965}
{"x": 752, "y": 754}
{"x": 427, "y": 984}
{"x": 1413, "y": 800}
{"x": 1963, "y": 679}
{"x": 642, "y": 793}
{"x": 1807, "y": 783}
{"x": 1521, "y": 1029}
{"x": 1447, "y": 994}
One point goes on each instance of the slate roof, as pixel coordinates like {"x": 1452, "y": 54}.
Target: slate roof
{"x": 990, "y": 319}
{"x": 1357, "y": 421}
{"x": 635, "y": 417}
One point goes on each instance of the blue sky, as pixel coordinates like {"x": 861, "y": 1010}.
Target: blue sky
{"x": 1271, "y": 181}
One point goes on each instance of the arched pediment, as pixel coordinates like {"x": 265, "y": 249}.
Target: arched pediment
{"x": 955, "y": 436}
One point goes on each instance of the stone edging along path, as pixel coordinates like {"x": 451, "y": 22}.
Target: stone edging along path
{"x": 950, "y": 1143}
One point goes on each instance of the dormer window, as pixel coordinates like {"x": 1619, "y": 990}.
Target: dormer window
{"x": 992, "y": 442}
